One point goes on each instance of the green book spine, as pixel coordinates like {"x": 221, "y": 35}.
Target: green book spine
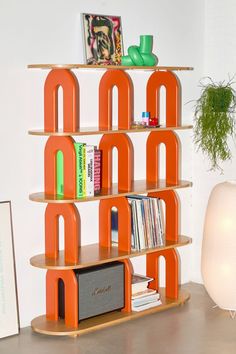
{"x": 79, "y": 169}
{"x": 60, "y": 173}
{"x": 84, "y": 170}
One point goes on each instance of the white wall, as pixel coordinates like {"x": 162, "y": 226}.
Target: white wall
{"x": 50, "y": 32}
{"x": 219, "y": 64}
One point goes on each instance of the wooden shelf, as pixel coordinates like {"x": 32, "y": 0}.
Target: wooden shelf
{"x": 94, "y": 255}
{"x": 100, "y": 67}
{"x": 42, "y": 325}
{"x": 139, "y": 187}
{"x": 96, "y": 131}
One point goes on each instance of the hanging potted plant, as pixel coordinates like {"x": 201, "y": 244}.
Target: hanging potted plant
{"x": 214, "y": 121}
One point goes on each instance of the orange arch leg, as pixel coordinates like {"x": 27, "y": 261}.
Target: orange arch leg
{"x": 123, "y": 82}
{"x": 172, "y": 213}
{"x": 171, "y": 271}
{"x": 67, "y": 80}
{"x": 172, "y": 156}
{"x": 125, "y": 160}
{"x": 71, "y": 230}
{"x": 128, "y": 281}
{"x": 124, "y": 223}
{"x": 173, "y": 96}
{"x": 66, "y": 145}
{"x": 71, "y": 296}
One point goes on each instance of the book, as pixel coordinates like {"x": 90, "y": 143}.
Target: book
{"x": 60, "y": 172}
{"x": 89, "y": 149}
{"x": 143, "y": 293}
{"x": 114, "y": 228}
{"x": 79, "y": 169}
{"x": 84, "y": 169}
{"x": 146, "y": 306}
{"x": 145, "y": 300}
{"x": 97, "y": 171}
{"x": 134, "y": 225}
{"x": 140, "y": 221}
{"x": 139, "y": 283}
{"x": 160, "y": 222}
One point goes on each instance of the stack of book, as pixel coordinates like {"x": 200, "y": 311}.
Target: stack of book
{"x": 147, "y": 224}
{"x": 143, "y": 298}
{"x": 88, "y": 171}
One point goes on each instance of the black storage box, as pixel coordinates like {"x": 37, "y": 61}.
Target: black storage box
{"x": 101, "y": 290}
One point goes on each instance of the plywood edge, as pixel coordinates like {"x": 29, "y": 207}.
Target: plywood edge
{"x": 97, "y": 131}
{"x": 58, "y": 328}
{"x": 139, "y": 187}
{"x": 91, "y": 255}
{"x": 104, "y": 67}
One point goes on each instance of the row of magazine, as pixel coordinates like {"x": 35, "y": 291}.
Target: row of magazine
{"x": 88, "y": 170}
{"x": 147, "y": 222}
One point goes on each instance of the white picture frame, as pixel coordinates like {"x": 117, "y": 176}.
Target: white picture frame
{"x": 9, "y": 319}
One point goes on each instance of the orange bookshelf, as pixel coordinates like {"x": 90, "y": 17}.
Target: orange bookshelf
{"x": 60, "y": 264}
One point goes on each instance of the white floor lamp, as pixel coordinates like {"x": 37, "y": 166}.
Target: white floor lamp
{"x": 219, "y": 246}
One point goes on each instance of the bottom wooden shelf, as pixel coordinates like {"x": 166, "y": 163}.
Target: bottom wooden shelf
{"x": 42, "y": 325}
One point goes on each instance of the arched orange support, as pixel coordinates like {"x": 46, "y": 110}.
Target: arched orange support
{"x": 172, "y": 213}
{"x": 128, "y": 284}
{"x": 172, "y": 271}
{"x": 123, "y": 82}
{"x": 124, "y": 223}
{"x": 71, "y": 231}
{"x": 66, "y": 145}
{"x": 67, "y": 80}
{"x": 71, "y": 296}
{"x": 173, "y": 96}
{"x": 125, "y": 160}
{"x": 172, "y": 156}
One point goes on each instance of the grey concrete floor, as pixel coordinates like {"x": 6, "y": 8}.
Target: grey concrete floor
{"x": 195, "y": 328}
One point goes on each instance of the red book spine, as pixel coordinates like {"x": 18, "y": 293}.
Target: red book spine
{"x": 97, "y": 171}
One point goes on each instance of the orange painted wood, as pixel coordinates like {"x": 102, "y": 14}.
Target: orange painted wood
{"x": 171, "y": 212}
{"x": 66, "y": 145}
{"x": 125, "y": 161}
{"x": 71, "y": 296}
{"x": 172, "y": 265}
{"x": 128, "y": 284}
{"x": 124, "y": 84}
{"x": 124, "y": 223}
{"x": 109, "y": 67}
{"x": 173, "y": 96}
{"x": 172, "y": 156}
{"x": 67, "y": 80}
{"x": 71, "y": 231}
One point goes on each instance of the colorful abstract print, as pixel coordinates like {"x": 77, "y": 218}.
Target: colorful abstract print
{"x": 103, "y": 39}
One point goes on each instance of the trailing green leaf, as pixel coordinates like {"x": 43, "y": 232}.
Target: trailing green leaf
{"x": 214, "y": 121}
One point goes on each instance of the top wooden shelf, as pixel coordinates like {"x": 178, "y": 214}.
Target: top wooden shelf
{"x": 97, "y": 131}
{"x": 100, "y": 67}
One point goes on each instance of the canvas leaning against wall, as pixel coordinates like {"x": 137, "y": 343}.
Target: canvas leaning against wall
{"x": 102, "y": 39}
{"x": 8, "y": 301}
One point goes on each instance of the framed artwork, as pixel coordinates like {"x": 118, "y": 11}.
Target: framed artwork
{"x": 9, "y": 323}
{"x": 103, "y": 40}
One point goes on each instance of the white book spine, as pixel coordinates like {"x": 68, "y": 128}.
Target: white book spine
{"x": 89, "y": 170}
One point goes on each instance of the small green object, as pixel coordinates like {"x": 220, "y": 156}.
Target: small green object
{"x": 135, "y": 56}
{"x": 214, "y": 121}
{"x": 126, "y": 60}
{"x": 142, "y": 55}
{"x": 60, "y": 172}
{"x": 146, "y": 42}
